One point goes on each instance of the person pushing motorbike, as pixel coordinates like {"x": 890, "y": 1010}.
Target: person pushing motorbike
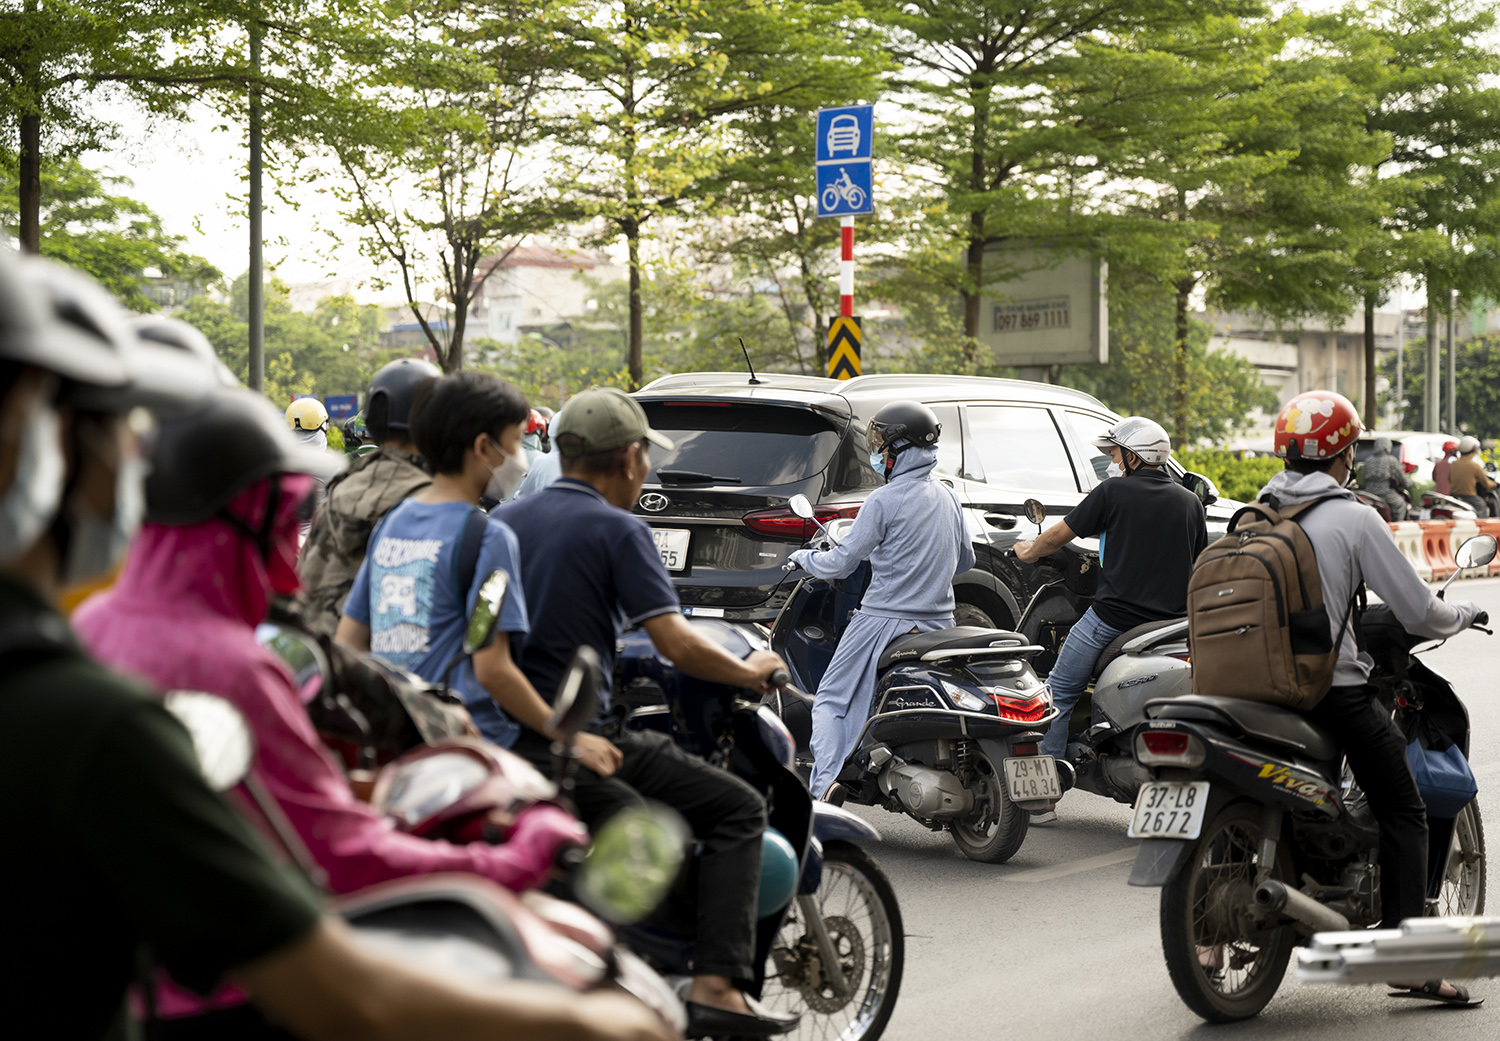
{"x": 912, "y": 533}
{"x": 1154, "y": 529}
{"x": 1316, "y": 434}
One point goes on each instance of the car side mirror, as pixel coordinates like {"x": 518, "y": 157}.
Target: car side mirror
{"x": 486, "y": 614}
{"x": 221, "y": 737}
{"x": 1206, "y": 491}
{"x": 577, "y": 701}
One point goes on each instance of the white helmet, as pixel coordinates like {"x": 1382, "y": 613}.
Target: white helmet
{"x": 1145, "y": 437}
{"x": 1467, "y": 444}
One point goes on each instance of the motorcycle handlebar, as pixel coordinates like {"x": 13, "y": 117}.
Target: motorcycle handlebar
{"x": 781, "y": 678}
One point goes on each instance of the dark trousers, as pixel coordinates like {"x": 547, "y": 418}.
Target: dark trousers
{"x": 727, "y": 817}
{"x": 1377, "y": 754}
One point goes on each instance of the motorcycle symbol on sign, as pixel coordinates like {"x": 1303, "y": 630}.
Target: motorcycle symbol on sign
{"x": 843, "y": 135}
{"x": 843, "y": 189}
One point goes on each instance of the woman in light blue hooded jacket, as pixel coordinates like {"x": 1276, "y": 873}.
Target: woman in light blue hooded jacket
{"x": 913, "y": 534}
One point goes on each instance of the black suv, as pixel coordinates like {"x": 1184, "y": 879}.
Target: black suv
{"x": 718, "y": 502}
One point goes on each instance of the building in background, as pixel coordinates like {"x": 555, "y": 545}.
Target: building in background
{"x": 536, "y": 287}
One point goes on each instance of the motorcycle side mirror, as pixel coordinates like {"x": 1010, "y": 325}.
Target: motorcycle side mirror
{"x": 577, "y": 701}
{"x": 221, "y": 737}
{"x": 302, "y": 655}
{"x": 1477, "y": 552}
{"x": 633, "y": 863}
{"x": 799, "y": 505}
{"x": 486, "y": 614}
{"x": 1035, "y": 512}
{"x": 1206, "y": 491}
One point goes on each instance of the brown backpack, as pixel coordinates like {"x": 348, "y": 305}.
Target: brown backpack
{"x": 1257, "y": 625}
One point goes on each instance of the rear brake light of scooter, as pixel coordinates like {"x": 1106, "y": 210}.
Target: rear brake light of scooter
{"x": 786, "y": 524}
{"x": 1168, "y": 748}
{"x": 1022, "y": 708}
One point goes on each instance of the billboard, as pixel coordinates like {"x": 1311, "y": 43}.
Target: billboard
{"x": 1048, "y": 308}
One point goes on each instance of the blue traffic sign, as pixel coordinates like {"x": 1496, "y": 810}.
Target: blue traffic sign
{"x": 845, "y": 190}
{"x": 341, "y": 406}
{"x": 845, "y": 134}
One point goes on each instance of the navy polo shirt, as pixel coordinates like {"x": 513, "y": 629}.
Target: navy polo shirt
{"x": 590, "y": 571}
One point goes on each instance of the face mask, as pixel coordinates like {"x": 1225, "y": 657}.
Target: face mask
{"x": 877, "y": 462}
{"x": 95, "y": 546}
{"x": 315, "y": 438}
{"x": 1114, "y": 470}
{"x": 31, "y": 501}
{"x": 506, "y": 478}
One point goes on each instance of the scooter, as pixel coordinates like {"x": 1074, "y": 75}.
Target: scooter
{"x": 1258, "y": 835}
{"x": 951, "y": 740}
{"x": 830, "y": 945}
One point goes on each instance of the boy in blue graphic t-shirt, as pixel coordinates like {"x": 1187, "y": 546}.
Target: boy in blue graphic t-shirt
{"x": 412, "y": 596}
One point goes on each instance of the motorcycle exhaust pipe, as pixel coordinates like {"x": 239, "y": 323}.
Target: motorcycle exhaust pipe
{"x": 1278, "y": 898}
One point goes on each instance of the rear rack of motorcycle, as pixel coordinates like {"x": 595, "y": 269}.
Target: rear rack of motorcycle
{"x": 998, "y": 649}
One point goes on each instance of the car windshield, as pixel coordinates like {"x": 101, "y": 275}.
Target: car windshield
{"x": 747, "y": 445}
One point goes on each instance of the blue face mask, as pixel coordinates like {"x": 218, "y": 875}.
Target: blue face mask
{"x": 877, "y": 462}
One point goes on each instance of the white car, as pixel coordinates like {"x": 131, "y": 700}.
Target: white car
{"x": 1417, "y": 450}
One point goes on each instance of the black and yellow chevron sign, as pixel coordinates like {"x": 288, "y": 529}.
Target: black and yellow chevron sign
{"x": 844, "y": 336}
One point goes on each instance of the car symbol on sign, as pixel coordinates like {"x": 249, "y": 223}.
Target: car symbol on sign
{"x": 654, "y": 502}
{"x": 843, "y": 135}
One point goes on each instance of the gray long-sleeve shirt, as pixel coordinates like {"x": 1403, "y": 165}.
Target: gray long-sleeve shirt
{"x": 1353, "y": 544}
{"x": 912, "y": 532}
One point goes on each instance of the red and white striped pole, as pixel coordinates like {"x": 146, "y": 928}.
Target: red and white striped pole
{"x": 846, "y": 268}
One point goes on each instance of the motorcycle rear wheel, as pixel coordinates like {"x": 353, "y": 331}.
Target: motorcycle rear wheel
{"x": 1464, "y": 876}
{"x": 1222, "y": 966}
{"x": 863, "y": 920}
{"x": 993, "y": 831}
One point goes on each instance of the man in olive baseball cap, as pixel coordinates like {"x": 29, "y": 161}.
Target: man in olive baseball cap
{"x": 602, "y": 419}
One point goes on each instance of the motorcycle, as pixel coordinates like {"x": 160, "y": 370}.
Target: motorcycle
{"x": 1436, "y": 506}
{"x": 1144, "y": 663}
{"x": 1259, "y": 837}
{"x": 951, "y": 739}
{"x": 833, "y": 948}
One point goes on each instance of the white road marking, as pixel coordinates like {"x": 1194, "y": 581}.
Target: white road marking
{"x": 1073, "y": 867}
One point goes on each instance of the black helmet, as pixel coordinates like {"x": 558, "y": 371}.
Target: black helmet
{"x": 397, "y": 383}
{"x": 200, "y": 461}
{"x": 902, "y": 425}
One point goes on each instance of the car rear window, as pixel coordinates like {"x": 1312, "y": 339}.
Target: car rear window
{"x": 755, "y": 445}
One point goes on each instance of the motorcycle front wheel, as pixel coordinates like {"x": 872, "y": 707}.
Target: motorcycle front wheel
{"x": 863, "y": 921}
{"x": 1464, "y": 877}
{"x": 1224, "y": 966}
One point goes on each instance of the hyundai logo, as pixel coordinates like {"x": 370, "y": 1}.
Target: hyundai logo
{"x": 654, "y": 502}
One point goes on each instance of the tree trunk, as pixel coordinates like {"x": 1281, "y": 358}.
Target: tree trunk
{"x": 1371, "y": 412}
{"x": 1180, "y": 366}
{"x": 31, "y": 184}
{"x": 975, "y": 271}
{"x": 637, "y": 368}
{"x": 1433, "y": 375}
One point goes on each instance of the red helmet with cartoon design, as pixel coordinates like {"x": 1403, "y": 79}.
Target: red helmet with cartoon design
{"x": 1317, "y": 425}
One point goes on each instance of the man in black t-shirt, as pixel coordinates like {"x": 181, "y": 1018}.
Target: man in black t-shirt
{"x": 121, "y": 854}
{"x": 1151, "y": 529}
{"x": 590, "y": 569}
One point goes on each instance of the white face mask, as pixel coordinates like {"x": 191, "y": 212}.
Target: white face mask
{"x": 1114, "y": 470}
{"x": 31, "y": 501}
{"x": 507, "y": 477}
{"x": 95, "y": 546}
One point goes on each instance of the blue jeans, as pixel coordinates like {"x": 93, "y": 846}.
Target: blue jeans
{"x": 1075, "y": 667}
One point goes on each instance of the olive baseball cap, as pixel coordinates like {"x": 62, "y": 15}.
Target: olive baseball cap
{"x": 602, "y": 418}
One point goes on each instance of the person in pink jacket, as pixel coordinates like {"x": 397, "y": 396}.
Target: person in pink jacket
{"x": 220, "y": 538}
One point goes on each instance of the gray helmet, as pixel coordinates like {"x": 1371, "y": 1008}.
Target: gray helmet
{"x": 202, "y": 459}
{"x": 84, "y": 336}
{"x": 156, "y": 329}
{"x": 1145, "y": 437}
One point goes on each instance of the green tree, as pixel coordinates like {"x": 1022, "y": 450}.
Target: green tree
{"x": 1477, "y": 397}
{"x": 87, "y": 222}
{"x": 656, "y": 90}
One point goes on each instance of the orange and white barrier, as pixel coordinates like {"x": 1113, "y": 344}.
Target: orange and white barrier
{"x": 1463, "y": 531}
{"x": 1491, "y": 526}
{"x": 1408, "y": 538}
{"x": 1437, "y": 549}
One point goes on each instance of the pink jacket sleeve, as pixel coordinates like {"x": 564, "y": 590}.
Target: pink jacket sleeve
{"x": 353, "y": 844}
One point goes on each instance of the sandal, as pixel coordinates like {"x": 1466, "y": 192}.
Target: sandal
{"x": 1432, "y": 990}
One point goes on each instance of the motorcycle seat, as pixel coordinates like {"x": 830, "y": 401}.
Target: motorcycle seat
{"x": 961, "y": 638}
{"x": 1280, "y": 726}
{"x": 1116, "y": 646}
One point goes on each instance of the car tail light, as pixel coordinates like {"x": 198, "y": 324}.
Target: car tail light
{"x": 1410, "y": 468}
{"x": 787, "y": 525}
{"x": 1168, "y": 748}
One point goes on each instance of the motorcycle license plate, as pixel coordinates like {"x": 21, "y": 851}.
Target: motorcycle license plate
{"x": 1032, "y": 777}
{"x": 672, "y": 544}
{"x": 1169, "y": 810}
